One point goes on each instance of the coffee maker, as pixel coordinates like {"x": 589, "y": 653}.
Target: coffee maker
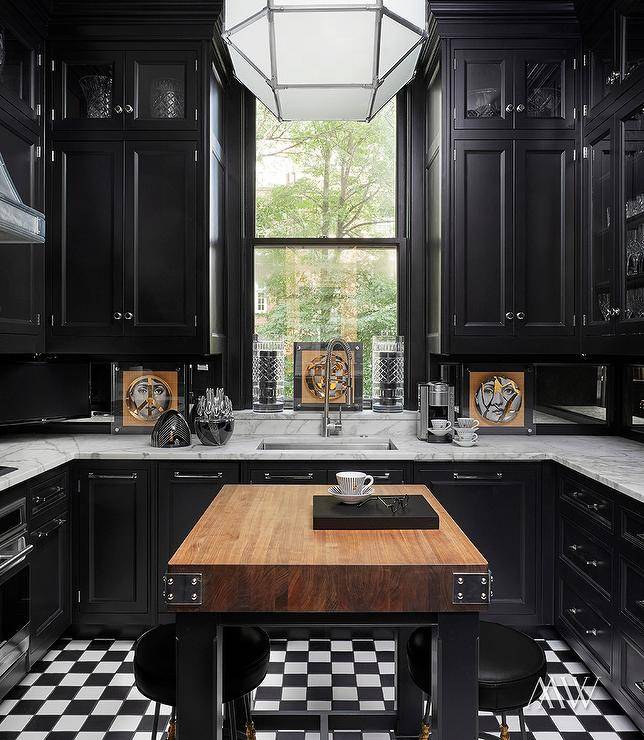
{"x": 435, "y": 401}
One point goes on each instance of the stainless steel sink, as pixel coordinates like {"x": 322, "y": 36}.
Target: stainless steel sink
{"x": 326, "y": 443}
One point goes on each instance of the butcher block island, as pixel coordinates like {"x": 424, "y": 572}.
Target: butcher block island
{"x": 254, "y": 558}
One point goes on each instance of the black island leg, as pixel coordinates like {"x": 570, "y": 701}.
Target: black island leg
{"x": 455, "y": 658}
{"x": 199, "y": 677}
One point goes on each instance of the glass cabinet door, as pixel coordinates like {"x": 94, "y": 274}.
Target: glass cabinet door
{"x": 544, "y": 89}
{"x": 89, "y": 91}
{"x": 18, "y": 72}
{"x": 633, "y": 36}
{"x": 604, "y": 70}
{"x": 632, "y": 233}
{"x": 601, "y": 256}
{"x": 161, "y": 90}
{"x": 483, "y": 89}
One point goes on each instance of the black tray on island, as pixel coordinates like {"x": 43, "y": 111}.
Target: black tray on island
{"x": 329, "y": 513}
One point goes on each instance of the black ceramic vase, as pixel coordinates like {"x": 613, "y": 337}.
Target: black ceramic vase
{"x": 171, "y": 430}
{"x": 214, "y": 433}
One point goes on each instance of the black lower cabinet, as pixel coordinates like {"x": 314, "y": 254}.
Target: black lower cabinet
{"x": 50, "y": 582}
{"x": 113, "y": 544}
{"x": 184, "y": 493}
{"x": 499, "y": 507}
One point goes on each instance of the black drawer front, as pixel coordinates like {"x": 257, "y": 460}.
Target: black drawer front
{"x": 632, "y": 678}
{"x": 592, "y": 629}
{"x": 632, "y": 579}
{"x": 633, "y": 528}
{"x": 48, "y": 493}
{"x": 381, "y": 476}
{"x": 287, "y": 476}
{"x": 584, "y": 553}
{"x": 593, "y": 504}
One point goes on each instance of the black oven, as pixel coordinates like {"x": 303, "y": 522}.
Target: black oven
{"x": 14, "y": 584}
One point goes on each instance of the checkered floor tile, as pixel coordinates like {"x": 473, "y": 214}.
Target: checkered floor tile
{"x": 84, "y": 690}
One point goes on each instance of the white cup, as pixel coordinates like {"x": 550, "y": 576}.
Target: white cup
{"x": 352, "y": 483}
{"x": 441, "y": 424}
{"x": 467, "y": 422}
{"x": 466, "y": 435}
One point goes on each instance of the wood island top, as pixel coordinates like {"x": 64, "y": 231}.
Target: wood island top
{"x": 257, "y": 552}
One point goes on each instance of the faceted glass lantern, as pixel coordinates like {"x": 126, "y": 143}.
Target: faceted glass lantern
{"x": 268, "y": 375}
{"x": 324, "y": 59}
{"x": 388, "y": 373}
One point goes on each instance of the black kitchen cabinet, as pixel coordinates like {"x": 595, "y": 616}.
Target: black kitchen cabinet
{"x": 499, "y": 507}
{"x": 20, "y": 81}
{"x": 50, "y": 581}
{"x": 110, "y": 88}
{"x": 124, "y": 245}
{"x": 514, "y": 233}
{"x": 503, "y": 88}
{"x": 184, "y": 493}
{"x": 113, "y": 532}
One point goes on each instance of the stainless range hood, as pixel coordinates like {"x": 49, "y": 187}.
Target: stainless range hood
{"x": 18, "y": 222}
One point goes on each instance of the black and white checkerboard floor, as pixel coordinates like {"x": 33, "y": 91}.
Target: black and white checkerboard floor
{"x": 84, "y": 690}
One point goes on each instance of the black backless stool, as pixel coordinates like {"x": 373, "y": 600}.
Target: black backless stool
{"x": 245, "y": 664}
{"x": 510, "y": 667}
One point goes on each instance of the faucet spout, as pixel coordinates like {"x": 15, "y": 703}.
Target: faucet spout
{"x": 335, "y": 427}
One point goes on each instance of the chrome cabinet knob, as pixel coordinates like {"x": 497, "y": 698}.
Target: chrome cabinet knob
{"x": 520, "y": 108}
{"x": 509, "y": 316}
{"x": 521, "y": 315}
{"x": 129, "y": 108}
{"x": 129, "y": 315}
{"x": 118, "y": 315}
{"x": 509, "y": 108}
{"x": 118, "y": 109}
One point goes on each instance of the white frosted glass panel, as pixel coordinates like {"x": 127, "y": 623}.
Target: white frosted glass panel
{"x": 411, "y": 10}
{"x": 396, "y": 80}
{"x": 324, "y": 48}
{"x": 236, "y": 11}
{"x": 253, "y": 42}
{"x": 329, "y": 104}
{"x": 396, "y": 42}
{"x": 253, "y": 80}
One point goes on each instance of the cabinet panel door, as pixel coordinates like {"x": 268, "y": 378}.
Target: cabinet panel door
{"x": 545, "y": 238}
{"x": 185, "y": 492}
{"x": 21, "y": 265}
{"x": 544, "y": 89}
{"x": 20, "y": 78}
{"x": 87, "y": 239}
{"x": 161, "y": 238}
{"x": 50, "y": 584}
{"x": 483, "y": 238}
{"x": 115, "y": 512}
{"x": 483, "y": 96}
{"x": 161, "y": 90}
{"x": 499, "y": 510}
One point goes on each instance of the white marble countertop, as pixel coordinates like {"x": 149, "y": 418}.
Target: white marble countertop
{"x": 613, "y": 461}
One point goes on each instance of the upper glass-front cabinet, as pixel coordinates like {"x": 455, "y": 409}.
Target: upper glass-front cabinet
{"x": 514, "y": 89}
{"x": 98, "y": 90}
{"x": 633, "y": 38}
{"x": 18, "y": 73}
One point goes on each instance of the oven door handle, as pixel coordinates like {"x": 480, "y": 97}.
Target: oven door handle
{"x": 17, "y": 558}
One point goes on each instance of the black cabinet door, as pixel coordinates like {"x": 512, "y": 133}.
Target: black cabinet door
{"x": 21, "y": 265}
{"x": 161, "y": 90}
{"x": 483, "y": 216}
{"x": 88, "y": 90}
{"x": 161, "y": 239}
{"x": 50, "y": 584}
{"x": 544, "y": 89}
{"x": 86, "y": 222}
{"x": 483, "y": 95}
{"x": 115, "y": 512}
{"x": 20, "y": 82}
{"x": 544, "y": 302}
{"x": 185, "y": 492}
{"x": 499, "y": 509}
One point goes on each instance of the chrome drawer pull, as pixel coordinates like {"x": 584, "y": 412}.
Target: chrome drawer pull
{"x": 42, "y": 533}
{"x": 270, "y": 476}
{"x": 573, "y": 610}
{"x": 491, "y": 476}
{"x": 187, "y": 476}
{"x": 595, "y": 507}
{"x": 594, "y": 632}
{"x": 55, "y": 492}
{"x": 384, "y": 476}
{"x": 639, "y": 685}
{"x": 102, "y": 476}
{"x": 577, "y": 549}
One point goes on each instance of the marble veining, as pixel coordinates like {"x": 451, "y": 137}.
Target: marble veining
{"x": 613, "y": 461}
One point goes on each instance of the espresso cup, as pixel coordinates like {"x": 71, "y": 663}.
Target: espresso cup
{"x": 467, "y": 422}
{"x": 352, "y": 482}
{"x": 441, "y": 424}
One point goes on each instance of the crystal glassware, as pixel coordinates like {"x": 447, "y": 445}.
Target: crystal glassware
{"x": 268, "y": 375}
{"x": 388, "y": 373}
{"x": 97, "y": 90}
{"x": 167, "y": 98}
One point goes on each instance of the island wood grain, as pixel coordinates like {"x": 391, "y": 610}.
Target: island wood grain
{"x": 257, "y": 550}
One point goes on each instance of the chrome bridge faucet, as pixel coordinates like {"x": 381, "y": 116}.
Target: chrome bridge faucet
{"x": 333, "y": 428}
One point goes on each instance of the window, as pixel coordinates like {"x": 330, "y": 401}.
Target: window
{"x": 326, "y": 252}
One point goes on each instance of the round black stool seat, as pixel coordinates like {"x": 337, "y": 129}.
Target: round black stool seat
{"x": 245, "y": 662}
{"x": 510, "y": 665}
